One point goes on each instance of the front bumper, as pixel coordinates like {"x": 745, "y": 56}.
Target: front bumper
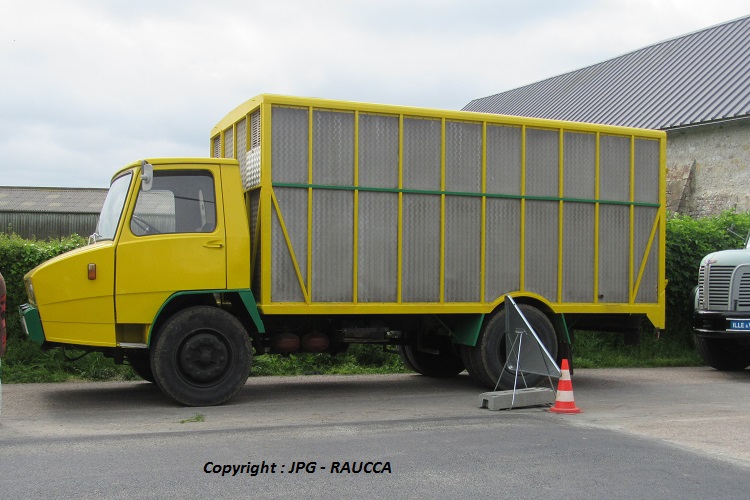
{"x": 721, "y": 325}
{"x": 31, "y": 323}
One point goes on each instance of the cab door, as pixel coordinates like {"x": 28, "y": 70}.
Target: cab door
{"x": 173, "y": 241}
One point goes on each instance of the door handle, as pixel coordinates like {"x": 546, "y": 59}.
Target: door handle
{"x": 214, "y": 244}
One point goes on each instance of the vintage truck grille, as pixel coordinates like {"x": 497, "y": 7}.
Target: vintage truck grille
{"x": 714, "y": 287}
{"x": 743, "y": 295}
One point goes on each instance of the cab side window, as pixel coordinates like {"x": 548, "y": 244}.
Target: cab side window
{"x": 178, "y": 202}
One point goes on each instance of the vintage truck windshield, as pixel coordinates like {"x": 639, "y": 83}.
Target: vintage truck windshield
{"x": 112, "y": 209}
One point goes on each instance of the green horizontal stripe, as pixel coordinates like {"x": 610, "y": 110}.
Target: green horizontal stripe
{"x": 460, "y": 193}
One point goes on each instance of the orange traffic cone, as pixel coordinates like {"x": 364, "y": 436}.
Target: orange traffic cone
{"x": 564, "y": 402}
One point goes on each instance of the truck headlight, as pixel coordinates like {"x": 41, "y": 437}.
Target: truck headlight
{"x": 30, "y": 292}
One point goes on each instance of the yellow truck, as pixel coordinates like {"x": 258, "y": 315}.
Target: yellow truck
{"x": 316, "y": 224}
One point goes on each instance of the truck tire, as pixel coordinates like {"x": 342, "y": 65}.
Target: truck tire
{"x": 140, "y": 362}
{"x": 202, "y": 356}
{"x": 488, "y": 357}
{"x": 467, "y": 355}
{"x": 447, "y": 363}
{"x": 723, "y": 354}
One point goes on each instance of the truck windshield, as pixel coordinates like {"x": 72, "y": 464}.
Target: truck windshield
{"x": 112, "y": 209}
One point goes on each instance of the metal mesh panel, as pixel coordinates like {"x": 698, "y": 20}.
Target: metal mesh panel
{"x": 256, "y": 286}
{"x": 462, "y": 248}
{"x": 542, "y": 162}
{"x": 216, "y": 148}
{"x": 378, "y": 151}
{"x": 646, "y": 171}
{"x": 503, "y": 160}
{"x": 333, "y": 148}
{"x": 253, "y": 204}
{"x": 332, "y": 246}
{"x": 579, "y": 165}
{"x": 541, "y": 248}
{"x": 421, "y": 156}
{"x": 614, "y": 168}
{"x": 243, "y": 158}
{"x": 503, "y": 240}
{"x": 463, "y": 157}
{"x": 229, "y": 143}
{"x": 290, "y": 145}
{"x": 614, "y": 251}
{"x": 241, "y": 138}
{"x": 644, "y": 220}
{"x": 578, "y": 252}
{"x": 255, "y": 129}
{"x": 250, "y": 170}
{"x": 284, "y": 282}
{"x": 377, "y": 259}
{"x": 421, "y": 248}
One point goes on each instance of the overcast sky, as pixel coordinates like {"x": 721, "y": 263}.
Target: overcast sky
{"x": 87, "y": 86}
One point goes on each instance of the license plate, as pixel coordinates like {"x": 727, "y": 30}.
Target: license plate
{"x": 739, "y": 324}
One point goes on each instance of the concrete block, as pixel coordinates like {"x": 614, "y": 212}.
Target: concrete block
{"x": 503, "y": 400}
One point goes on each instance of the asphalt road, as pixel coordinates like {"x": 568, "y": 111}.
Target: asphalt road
{"x": 645, "y": 433}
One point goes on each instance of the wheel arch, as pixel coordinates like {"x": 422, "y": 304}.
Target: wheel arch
{"x": 243, "y": 304}
{"x": 174, "y": 304}
{"x": 564, "y": 340}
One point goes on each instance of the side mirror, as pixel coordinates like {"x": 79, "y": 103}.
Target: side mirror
{"x": 147, "y": 175}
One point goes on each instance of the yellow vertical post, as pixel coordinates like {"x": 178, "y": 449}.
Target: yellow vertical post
{"x": 596, "y": 218}
{"x": 355, "y": 229}
{"x": 400, "y": 256}
{"x": 560, "y": 194}
{"x": 663, "y": 221}
{"x": 631, "y": 261}
{"x": 442, "y": 211}
{"x": 310, "y": 111}
{"x": 483, "y": 228}
{"x": 522, "y": 239}
{"x": 266, "y": 266}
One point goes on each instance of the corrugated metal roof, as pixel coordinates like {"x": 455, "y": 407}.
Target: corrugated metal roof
{"x": 52, "y": 200}
{"x": 696, "y": 78}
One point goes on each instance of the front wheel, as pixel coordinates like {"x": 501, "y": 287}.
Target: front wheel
{"x": 141, "y": 364}
{"x": 202, "y": 356}
{"x": 723, "y": 354}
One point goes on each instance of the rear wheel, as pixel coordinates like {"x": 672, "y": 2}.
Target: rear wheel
{"x": 488, "y": 357}
{"x": 446, "y": 363}
{"x": 202, "y": 356}
{"x": 723, "y": 354}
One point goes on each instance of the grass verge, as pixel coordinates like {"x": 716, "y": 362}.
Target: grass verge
{"x": 25, "y": 362}
{"x": 604, "y": 350}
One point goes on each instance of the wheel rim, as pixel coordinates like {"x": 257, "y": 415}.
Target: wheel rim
{"x": 203, "y": 358}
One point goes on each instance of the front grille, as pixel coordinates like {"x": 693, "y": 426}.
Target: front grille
{"x": 716, "y": 286}
{"x": 743, "y": 295}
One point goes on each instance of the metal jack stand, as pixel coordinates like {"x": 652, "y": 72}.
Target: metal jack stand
{"x": 535, "y": 359}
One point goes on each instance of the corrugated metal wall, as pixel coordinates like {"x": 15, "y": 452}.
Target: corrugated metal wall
{"x": 41, "y": 225}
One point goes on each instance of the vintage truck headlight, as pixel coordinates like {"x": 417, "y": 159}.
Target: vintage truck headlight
{"x": 30, "y": 292}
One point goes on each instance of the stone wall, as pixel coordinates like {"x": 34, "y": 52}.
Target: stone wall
{"x": 709, "y": 168}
